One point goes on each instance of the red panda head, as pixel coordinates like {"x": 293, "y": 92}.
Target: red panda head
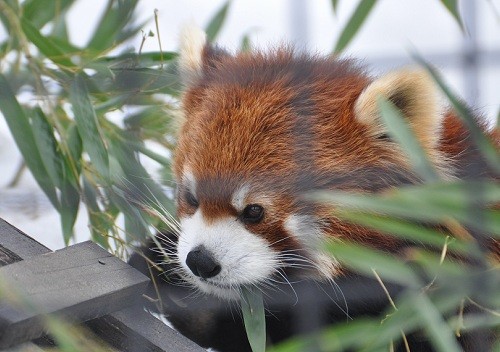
{"x": 262, "y": 129}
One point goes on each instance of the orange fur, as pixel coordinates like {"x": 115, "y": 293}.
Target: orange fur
{"x": 285, "y": 123}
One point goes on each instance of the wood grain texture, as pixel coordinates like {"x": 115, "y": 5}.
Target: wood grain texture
{"x": 80, "y": 283}
{"x": 16, "y": 245}
{"x": 134, "y": 330}
{"x": 128, "y": 330}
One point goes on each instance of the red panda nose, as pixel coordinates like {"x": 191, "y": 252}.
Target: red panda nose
{"x": 202, "y": 263}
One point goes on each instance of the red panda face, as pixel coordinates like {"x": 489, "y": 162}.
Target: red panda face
{"x": 262, "y": 130}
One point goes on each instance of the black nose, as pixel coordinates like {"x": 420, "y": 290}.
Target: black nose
{"x": 202, "y": 263}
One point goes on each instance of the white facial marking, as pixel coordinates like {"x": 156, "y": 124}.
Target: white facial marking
{"x": 239, "y": 196}
{"x": 244, "y": 257}
{"x": 307, "y": 230}
{"x": 189, "y": 181}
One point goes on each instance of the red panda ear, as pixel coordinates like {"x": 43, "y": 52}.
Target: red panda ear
{"x": 196, "y": 54}
{"x": 414, "y": 94}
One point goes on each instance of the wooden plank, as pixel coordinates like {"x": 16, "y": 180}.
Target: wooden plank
{"x": 16, "y": 245}
{"x": 80, "y": 282}
{"x": 13, "y": 240}
{"x": 128, "y": 330}
{"x": 134, "y": 330}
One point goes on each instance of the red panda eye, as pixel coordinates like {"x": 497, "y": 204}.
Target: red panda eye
{"x": 252, "y": 213}
{"x": 191, "y": 200}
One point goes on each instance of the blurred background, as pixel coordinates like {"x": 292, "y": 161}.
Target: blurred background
{"x": 469, "y": 60}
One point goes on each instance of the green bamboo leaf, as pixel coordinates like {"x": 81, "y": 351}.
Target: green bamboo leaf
{"x": 23, "y": 135}
{"x": 88, "y": 127}
{"x": 100, "y": 222}
{"x": 143, "y": 60}
{"x": 335, "y": 6}
{"x": 246, "y": 43}
{"x": 252, "y": 307}
{"x": 485, "y": 145}
{"x": 452, "y": 7}
{"x": 133, "y": 177}
{"x": 216, "y": 23}
{"x": 39, "y": 13}
{"x": 403, "y": 229}
{"x": 401, "y": 132}
{"x": 46, "y": 46}
{"x": 113, "y": 21}
{"x": 426, "y": 206}
{"x": 365, "y": 260}
{"x": 47, "y": 145}
{"x": 75, "y": 150}
{"x": 143, "y": 80}
{"x": 436, "y": 328}
{"x": 70, "y": 202}
{"x": 339, "y": 337}
{"x": 354, "y": 24}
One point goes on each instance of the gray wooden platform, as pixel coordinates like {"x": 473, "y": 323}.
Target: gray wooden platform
{"x": 81, "y": 283}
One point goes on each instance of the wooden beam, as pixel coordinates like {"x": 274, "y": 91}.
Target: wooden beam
{"x": 135, "y": 330}
{"x": 15, "y": 245}
{"x": 131, "y": 329}
{"x": 79, "y": 283}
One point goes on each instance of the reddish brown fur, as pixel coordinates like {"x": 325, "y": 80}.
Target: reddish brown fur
{"x": 285, "y": 124}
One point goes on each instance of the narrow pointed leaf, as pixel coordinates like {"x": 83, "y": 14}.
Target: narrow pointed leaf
{"x": 47, "y": 145}
{"x": 23, "y": 135}
{"x": 70, "y": 202}
{"x": 403, "y": 229}
{"x": 335, "y": 6}
{"x": 354, "y": 24}
{"x": 365, "y": 260}
{"x": 485, "y": 145}
{"x": 100, "y": 223}
{"x": 39, "y": 13}
{"x": 46, "y": 46}
{"x": 112, "y": 23}
{"x": 453, "y": 8}
{"x": 252, "y": 307}
{"x": 88, "y": 127}
{"x": 436, "y": 328}
{"x": 401, "y": 132}
{"x": 215, "y": 25}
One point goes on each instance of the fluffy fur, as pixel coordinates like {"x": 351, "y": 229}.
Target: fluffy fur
{"x": 264, "y": 129}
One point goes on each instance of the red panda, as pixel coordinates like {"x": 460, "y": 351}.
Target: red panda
{"x": 259, "y": 130}
{"x": 263, "y": 128}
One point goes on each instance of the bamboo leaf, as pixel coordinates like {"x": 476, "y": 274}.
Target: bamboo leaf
{"x": 335, "y": 6}
{"x": 403, "y": 229}
{"x": 401, "y": 132}
{"x": 215, "y": 25}
{"x": 452, "y": 7}
{"x": 46, "y": 46}
{"x": 70, "y": 202}
{"x": 252, "y": 307}
{"x": 75, "y": 149}
{"x": 484, "y": 144}
{"x": 117, "y": 15}
{"x": 47, "y": 145}
{"x": 430, "y": 205}
{"x": 39, "y": 13}
{"x": 88, "y": 129}
{"x": 23, "y": 135}
{"x": 354, "y": 24}
{"x": 100, "y": 224}
{"x": 365, "y": 260}
{"x": 136, "y": 181}
{"x": 435, "y": 326}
